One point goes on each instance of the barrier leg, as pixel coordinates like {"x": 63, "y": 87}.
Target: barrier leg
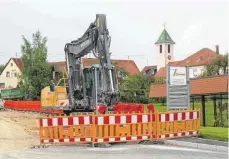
{"x": 93, "y": 130}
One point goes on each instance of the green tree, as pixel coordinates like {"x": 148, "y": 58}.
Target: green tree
{"x": 36, "y": 72}
{"x": 160, "y": 80}
{"x": 217, "y": 66}
{"x": 135, "y": 88}
{"x": 1, "y": 68}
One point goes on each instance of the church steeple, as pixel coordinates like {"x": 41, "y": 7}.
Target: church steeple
{"x": 165, "y": 46}
{"x": 165, "y": 38}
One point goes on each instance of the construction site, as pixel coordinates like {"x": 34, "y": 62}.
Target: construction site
{"x": 99, "y": 107}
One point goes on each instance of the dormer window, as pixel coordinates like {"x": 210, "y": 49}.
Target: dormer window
{"x": 153, "y": 72}
{"x": 11, "y": 64}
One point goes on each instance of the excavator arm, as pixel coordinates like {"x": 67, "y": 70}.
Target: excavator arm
{"x": 96, "y": 39}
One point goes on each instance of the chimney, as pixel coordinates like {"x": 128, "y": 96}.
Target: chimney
{"x": 217, "y": 49}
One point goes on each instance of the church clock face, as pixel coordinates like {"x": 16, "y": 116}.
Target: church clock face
{"x": 169, "y": 57}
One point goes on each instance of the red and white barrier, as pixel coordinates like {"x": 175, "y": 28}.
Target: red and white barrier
{"x": 178, "y": 116}
{"x": 124, "y": 119}
{"x": 66, "y": 121}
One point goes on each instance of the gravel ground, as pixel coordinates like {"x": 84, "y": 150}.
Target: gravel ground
{"x": 17, "y": 130}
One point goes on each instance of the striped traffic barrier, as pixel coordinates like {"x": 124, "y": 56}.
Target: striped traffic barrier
{"x": 123, "y": 128}
{"x": 178, "y": 124}
{"x": 66, "y": 129}
{"x": 111, "y": 127}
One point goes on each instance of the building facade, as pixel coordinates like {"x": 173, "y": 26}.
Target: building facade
{"x": 9, "y": 75}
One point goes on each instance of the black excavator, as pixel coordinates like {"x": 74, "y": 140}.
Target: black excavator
{"x": 96, "y": 85}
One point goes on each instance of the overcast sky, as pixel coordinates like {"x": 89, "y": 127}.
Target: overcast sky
{"x": 133, "y": 25}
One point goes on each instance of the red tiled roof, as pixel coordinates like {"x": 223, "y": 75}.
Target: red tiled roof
{"x": 128, "y": 65}
{"x": 58, "y": 66}
{"x": 18, "y": 62}
{"x": 175, "y": 63}
{"x": 160, "y": 73}
{"x": 198, "y": 86}
{"x": 201, "y": 57}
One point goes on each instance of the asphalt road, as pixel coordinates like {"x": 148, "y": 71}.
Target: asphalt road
{"x": 114, "y": 152}
{"x": 202, "y": 141}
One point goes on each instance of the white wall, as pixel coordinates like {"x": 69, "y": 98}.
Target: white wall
{"x": 195, "y": 71}
{"x": 163, "y": 57}
{"x": 12, "y": 80}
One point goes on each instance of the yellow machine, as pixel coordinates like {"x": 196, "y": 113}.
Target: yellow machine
{"x": 54, "y": 99}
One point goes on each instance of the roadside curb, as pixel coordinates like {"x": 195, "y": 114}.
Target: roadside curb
{"x": 198, "y": 145}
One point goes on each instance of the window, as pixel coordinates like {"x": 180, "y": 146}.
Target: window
{"x": 7, "y": 74}
{"x": 160, "y": 48}
{"x": 153, "y": 72}
{"x": 168, "y": 48}
{"x": 11, "y": 64}
{"x": 13, "y": 73}
{"x": 2, "y": 85}
{"x": 191, "y": 73}
{"x": 195, "y": 72}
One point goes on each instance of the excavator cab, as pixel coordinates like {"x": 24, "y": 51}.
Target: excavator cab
{"x": 93, "y": 84}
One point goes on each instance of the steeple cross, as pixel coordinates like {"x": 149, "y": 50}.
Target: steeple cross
{"x": 164, "y": 25}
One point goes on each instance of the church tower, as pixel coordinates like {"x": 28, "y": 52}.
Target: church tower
{"x": 165, "y": 46}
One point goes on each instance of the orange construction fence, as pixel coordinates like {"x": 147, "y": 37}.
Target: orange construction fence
{"x": 36, "y": 106}
{"x": 28, "y": 106}
{"x": 109, "y": 128}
